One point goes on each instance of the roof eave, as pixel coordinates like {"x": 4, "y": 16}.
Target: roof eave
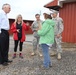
{"x": 60, "y": 3}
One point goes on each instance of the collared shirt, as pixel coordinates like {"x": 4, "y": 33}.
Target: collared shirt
{"x": 4, "y": 22}
{"x": 35, "y": 25}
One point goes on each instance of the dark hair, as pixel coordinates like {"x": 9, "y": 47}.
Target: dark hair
{"x": 47, "y": 16}
{"x": 37, "y": 14}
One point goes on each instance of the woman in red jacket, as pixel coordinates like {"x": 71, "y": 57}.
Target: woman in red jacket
{"x": 18, "y": 28}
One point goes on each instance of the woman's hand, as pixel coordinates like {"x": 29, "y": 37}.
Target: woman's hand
{"x": 18, "y": 30}
{"x": 27, "y": 24}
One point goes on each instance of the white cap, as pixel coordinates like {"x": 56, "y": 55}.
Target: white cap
{"x": 53, "y": 11}
{"x": 47, "y": 11}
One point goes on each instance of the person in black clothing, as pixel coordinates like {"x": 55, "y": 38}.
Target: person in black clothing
{"x": 19, "y": 34}
{"x": 18, "y": 28}
{"x": 4, "y": 35}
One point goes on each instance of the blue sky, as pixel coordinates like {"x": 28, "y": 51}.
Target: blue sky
{"x": 27, "y": 8}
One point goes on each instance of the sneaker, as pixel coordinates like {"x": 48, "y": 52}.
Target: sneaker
{"x": 5, "y": 64}
{"x": 44, "y": 68}
{"x": 59, "y": 56}
{"x": 32, "y": 54}
{"x": 53, "y": 53}
{"x": 9, "y": 61}
{"x": 40, "y": 55}
{"x": 50, "y": 65}
{"x": 20, "y": 55}
{"x": 14, "y": 56}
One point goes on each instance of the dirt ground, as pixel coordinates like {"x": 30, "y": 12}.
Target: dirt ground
{"x": 30, "y": 65}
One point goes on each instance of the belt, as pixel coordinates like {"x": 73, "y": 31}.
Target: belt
{"x": 3, "y": 30}
{"x": 35, "y": 31}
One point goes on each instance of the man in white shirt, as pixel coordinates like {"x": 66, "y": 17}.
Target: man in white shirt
{"x": 4, "y": 35}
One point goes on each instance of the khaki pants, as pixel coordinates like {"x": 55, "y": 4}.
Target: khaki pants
{"x": 36, "y": 45}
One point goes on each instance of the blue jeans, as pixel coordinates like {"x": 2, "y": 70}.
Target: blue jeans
{"x": 47, "y": 60}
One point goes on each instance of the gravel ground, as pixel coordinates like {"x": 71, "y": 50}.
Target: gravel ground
{"x": 31, "y": 65}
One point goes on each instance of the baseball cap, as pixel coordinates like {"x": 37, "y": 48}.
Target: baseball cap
{"x": 53, "y": 11}
{"x": 47, "y": 11}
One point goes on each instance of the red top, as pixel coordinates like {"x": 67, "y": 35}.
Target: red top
{"x": 14, "y": 30}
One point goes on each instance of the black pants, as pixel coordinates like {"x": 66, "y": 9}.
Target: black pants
{"x": 16, "y": 45}
{"x": 4, "y": 46}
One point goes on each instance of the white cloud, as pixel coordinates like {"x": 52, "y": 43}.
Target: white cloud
{"x": 28, "y": 8}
